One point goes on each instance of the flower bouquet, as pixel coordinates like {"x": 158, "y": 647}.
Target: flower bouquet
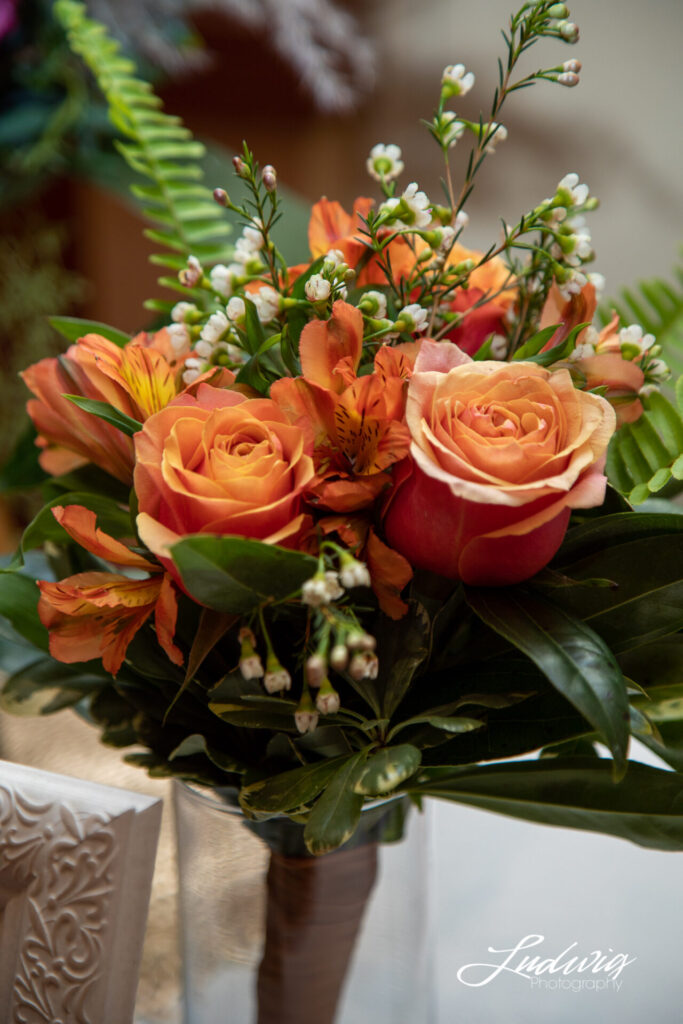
{"x": 362, "y": 528}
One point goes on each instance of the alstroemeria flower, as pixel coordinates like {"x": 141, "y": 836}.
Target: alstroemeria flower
{"x": 331, "y": 227}
{"x": 355, "y": 423}
{"x": 97, "y": 614}
{"x": 486, "y": 284}
{"x": 139, "y": 379}
{"x": 389, "y": 571}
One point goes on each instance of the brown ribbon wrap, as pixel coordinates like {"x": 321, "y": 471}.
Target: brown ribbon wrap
{"x": 315, "y": 907}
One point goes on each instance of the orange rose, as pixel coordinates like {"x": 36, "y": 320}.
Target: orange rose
{"x": 500, "y": 454}
{"x": 219, "y": 463}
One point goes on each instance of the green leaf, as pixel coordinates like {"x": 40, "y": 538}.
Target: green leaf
{"x": 234, "y": 575}
{"x": 595, "y": 535}
{"x": 535, "y": 343}
{"x": 647, "y": 601}
{"x": 336, "y": 814}
{"x": 454, "y": 724}
{"x": 46, "y": 686}
{"x": 290, "y": 790}
{"x": 19, "y": 596}
{"x": 387, "y": 769}
{"x": 576, "y": 660}
{"x": 646, "y": 807}
{"x": 72, "y": 328}
{"x": 107, "y": 413}
{"x": 22, "y": 470}
{"x": 643, "y": 456}
{"x": 255, "y": 334}
{"x": 555, "y": 354}
{"x": 257, "y": 718}
{"x": 110, "y": 517}
{"x": 403, "y": 651}
{"x": 156, "y": 145}
{"x": 197, "y": 744}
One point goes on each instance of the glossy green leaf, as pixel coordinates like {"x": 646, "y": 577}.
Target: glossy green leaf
{"x": 454, "y": 724}
{"x": 336, "y": 813}
{"x": 19, "y": 604}
{"x": 46, "y": 686}
{"x": 535, "y": 343}
{"x": 290, "y": 790}
{"x": 234, "y": 575}
{"x": 647, "y": 601}
{"x": 197, "y": 744}
{"x": 646, "y": 807}
{"x": 108, "y": 413}
{"x": 72, "y": 328}
{"x": 387, "y": 769}
{"x": 403, "y": 650}
{"x": 622, "y": 527}
{"x": 574, "y": 658}
{"x": 111, "y": 518}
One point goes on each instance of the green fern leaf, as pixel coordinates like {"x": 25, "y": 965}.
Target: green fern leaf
{"x": 646, "y": 456}
{"x": 156, "y": 145}
{"x": 657, "y": 306}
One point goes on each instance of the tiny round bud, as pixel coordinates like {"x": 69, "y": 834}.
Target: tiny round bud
{"x": 569, "y": 31}
{"x": 339, "y": 657}
{"x": 572, "y": 65}
{"x": 240, "y": 167}
{"x": 221, "y": 196}
{"x": 315, "y": 670}
{"x": 269, "y": 178}
{"x": 568, "y": 78}
{"x": 558, "y": 11}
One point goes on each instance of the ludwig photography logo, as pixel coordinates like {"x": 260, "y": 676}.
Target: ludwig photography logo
{"x": 567, "y": 971}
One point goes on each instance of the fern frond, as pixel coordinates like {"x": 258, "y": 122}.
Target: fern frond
{"x": 155, "y": 144}
{"x": 647, "y": 455}
{"x": 657, "y": 306}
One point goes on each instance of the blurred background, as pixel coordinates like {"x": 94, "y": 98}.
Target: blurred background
{"x": 312, "y": 85}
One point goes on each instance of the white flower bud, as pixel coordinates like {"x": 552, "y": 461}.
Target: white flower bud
{"x": 384, "y": 162}
{"x": 567, "y": 78}
{"x": 496, "y": 133}
{"x": 269, "y": 178}
{"x": 235, "y": 308}
{"x": 358, "y": 641}
{"x": 204, "y": 349}
{"x": 354, "y": 574}
{"x": 221, "y": 280}
{"x": 364, "y": 665}
{"x": 572, "y": 65}
{"x": 277, "y": 680}
{"x": 181, "y": 311}
{"x": 413, "y": 318}
{"x": 374, "y": 303}
{"x": 306, "y": 721}
{"x": 251, "y": 667}
{"x": 455, "y": 81}
{"x": 339, "y": 657}
{"x": 316, "y": 670}
{"x": 321, "y": 589}
{"x": 192, "y": 273}
{"x": 267, "y": 302}
{"x": 214, "y": 328}
{"x": 179, "y": 337}
{"x": 499, "y": 346}
{"x": 327, "y": 700}
{"x": 317, "y": 288}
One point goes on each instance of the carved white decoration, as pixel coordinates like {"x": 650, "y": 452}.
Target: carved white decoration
{"x": 76, "y": 865}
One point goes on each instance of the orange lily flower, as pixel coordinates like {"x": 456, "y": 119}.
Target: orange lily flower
{"x": 139, "y": 379}
{"x": 97, "y": 614}
{"x": 389, "y": 571}
{"x": 355, "y": 424}
{"x": 331, "y": 227}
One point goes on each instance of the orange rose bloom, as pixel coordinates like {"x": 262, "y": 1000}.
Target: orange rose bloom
{"x": 219, "y": 463}
{"x": 500, "y": 454}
